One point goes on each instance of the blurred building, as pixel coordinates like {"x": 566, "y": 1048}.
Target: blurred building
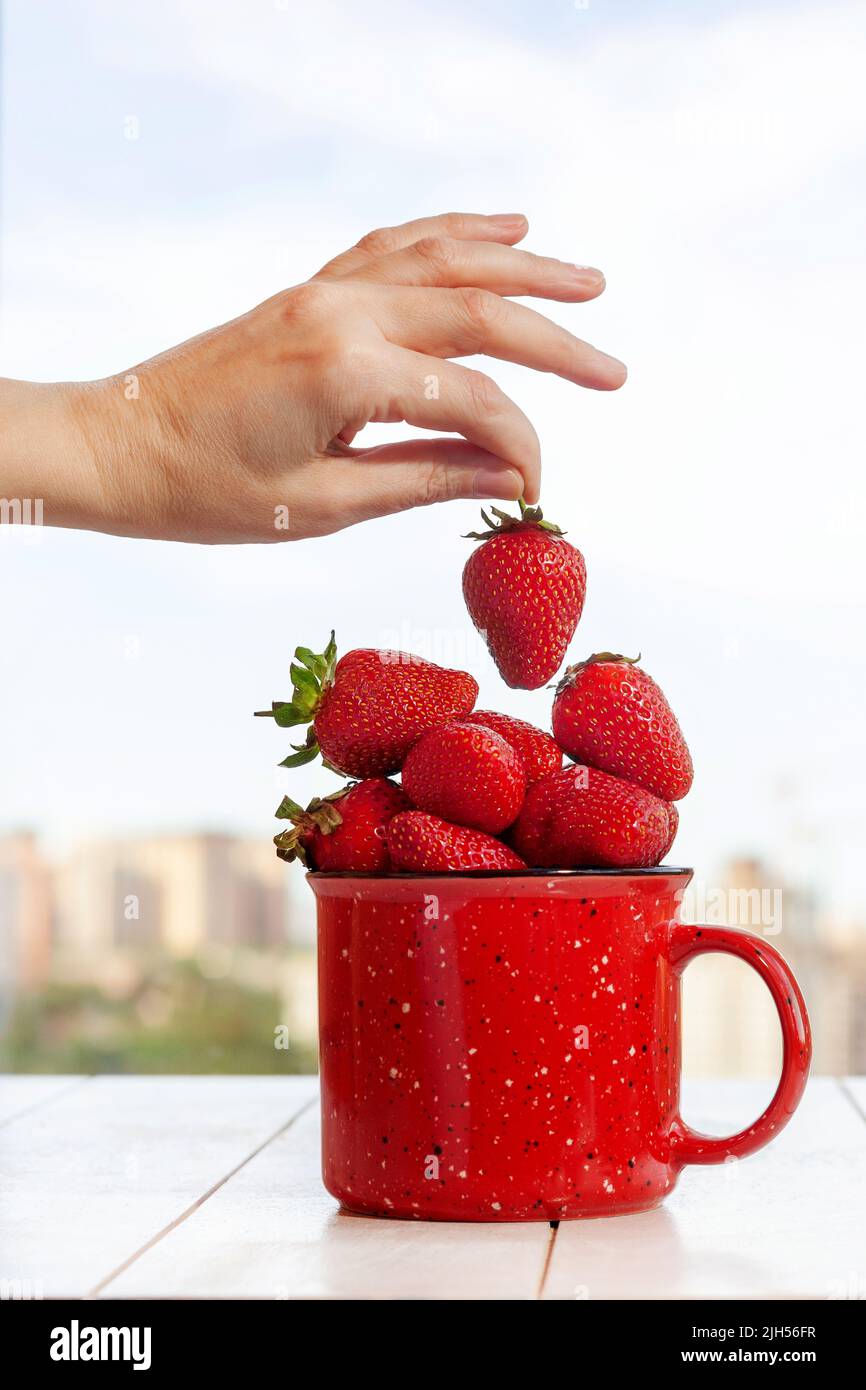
{"x": 177, "y": 894}
{"x": 730, "y": 1026}
{"x": 25, "y": 919}
{"x": 112, "y": 904}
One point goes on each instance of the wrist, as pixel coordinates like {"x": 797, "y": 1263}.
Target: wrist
{"x": 103, "y": 427}
{"x": 127, "y": 449}
{"x": 112, "y": 451}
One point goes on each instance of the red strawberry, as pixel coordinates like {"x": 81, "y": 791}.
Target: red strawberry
{"x": 540, "y": 752}
{"x": 582, "y": 818}
{"x": 467, "y": 774}
{"x": 673, "y": 827}
{"x": 344, "y": 831}
{"x": 368, "y": 708}
{"x": 422, "y": 844}
{"x": 524, "y": 588}
{"x": 611, "y": 714}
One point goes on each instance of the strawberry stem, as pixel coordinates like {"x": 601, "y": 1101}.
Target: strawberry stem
{"x": 610, "y": 656}
{"x": 596, "y": 659}
{"x": 530, "y": 518}
{"x": 311, "y": 673}
{"x": 321, "y": 814}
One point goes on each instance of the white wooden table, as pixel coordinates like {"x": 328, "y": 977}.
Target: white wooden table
{"x": 208, "y": 1187}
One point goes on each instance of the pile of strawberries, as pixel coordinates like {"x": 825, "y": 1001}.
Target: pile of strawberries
{"x": 480, "y": 789}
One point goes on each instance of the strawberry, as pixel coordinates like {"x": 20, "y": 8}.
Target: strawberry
{"x": 524, "y": 588}
{"x": 368, "y": 708}
{"x": 344, "y": 831}
{"x": 673, "y": 827}
{"x": 467, "y": 774}
{"x": 609, "y": 713}
{"x": 582, "y": 818}
{"x": 423, "y": 844}
{"x": 540, "y": 752}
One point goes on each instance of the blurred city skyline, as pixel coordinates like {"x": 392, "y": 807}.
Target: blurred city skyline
{"x": 197, "y": 952}
{"x": 176, "y": 953}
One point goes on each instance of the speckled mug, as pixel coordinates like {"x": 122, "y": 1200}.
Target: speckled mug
{"x": 506, "y": 1047}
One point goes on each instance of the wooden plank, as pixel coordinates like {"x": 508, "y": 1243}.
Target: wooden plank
{"x": 20, "y": 1094}
{"x": 274, "y": 1232}
{"x": 788, "y": 1222}
{"x": 91, "y": 1178}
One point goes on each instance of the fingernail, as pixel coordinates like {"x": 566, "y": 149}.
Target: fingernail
{"x": 508, "y": 219}
{"x": 616, "y": 367}
{"x": 587, "y": 272}
{"x": 505, "y": 484}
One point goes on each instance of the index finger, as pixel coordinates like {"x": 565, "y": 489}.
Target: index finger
{"x": 506, "y": 228}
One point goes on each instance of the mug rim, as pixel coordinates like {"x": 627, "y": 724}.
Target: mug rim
{"x": 451, "y": 875}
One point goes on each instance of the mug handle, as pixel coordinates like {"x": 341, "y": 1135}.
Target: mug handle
{"x": 689, "y": 1146}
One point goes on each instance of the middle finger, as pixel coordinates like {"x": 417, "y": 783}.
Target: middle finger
{"x": 449, "y": 263}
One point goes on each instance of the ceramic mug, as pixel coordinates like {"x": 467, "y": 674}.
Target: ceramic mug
{"x": 506, "y": 1047}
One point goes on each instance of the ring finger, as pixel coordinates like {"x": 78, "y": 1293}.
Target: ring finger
{"x": 460, "y": 323}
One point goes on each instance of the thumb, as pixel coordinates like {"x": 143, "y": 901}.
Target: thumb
{"x": 417, "y": 472}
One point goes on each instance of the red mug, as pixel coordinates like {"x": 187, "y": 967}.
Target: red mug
{"x": 506, "y": 1047}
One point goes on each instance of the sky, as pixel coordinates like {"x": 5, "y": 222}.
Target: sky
{"x": 709, "y": 158}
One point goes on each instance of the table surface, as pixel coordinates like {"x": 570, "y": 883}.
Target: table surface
{"x": 208, "y": 1187}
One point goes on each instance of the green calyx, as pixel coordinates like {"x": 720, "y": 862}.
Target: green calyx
{"x": 597, "y": 658}
{"x": 530, "y": 518}
{"x": 311, "y": 674}
{"x": 321, "y": 814}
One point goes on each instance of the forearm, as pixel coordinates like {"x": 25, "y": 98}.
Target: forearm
{"x": 84, "y": 455}
{"x": 45, "y": 457}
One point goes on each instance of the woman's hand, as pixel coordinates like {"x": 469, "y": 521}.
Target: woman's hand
{"x": 245, "y": 433}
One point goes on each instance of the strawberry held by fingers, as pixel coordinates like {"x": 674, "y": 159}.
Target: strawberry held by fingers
{"x": 345, "y": 831}
{"x": 422, "y": 844}
{"x": 540, "y": 752}
{"x": 367, "y": 709}
{"x": 467, "y": 774}
{"x": 524, "y": 588}
{"x": 609, "y": 713}
{"x": 583, "y": 818}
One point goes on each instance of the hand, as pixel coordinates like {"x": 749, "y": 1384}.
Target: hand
{"x": 245, "y": 433}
